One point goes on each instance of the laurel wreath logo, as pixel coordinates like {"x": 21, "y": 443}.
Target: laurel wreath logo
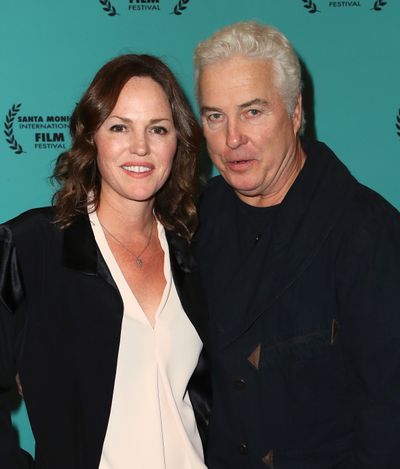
{"x": 398, "y": 123}
{"x": 9, "y": 131}
{"x": 108, "y": 7}
{"x": 180, "y": 7}
{"x": 311, "y": 6}
{"x": 378, "y": 5}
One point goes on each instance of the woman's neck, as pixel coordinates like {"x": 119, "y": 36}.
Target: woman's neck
{"x": 127, "y": 218}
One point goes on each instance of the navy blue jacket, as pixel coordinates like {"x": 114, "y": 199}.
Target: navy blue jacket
{"x": 305, "y": 330}
{"x": 60, "y": 324}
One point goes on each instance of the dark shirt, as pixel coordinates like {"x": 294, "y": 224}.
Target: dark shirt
{"x": 254, "y": 223}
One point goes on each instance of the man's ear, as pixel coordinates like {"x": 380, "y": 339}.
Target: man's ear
{"x": 297, "y": 115}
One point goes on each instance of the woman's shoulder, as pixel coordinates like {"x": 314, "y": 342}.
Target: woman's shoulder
{"x": 33, "y": 215}
{"x": 28, "y": 223}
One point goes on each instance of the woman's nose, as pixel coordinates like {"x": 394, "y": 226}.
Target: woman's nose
{"x": 138, "y": 144}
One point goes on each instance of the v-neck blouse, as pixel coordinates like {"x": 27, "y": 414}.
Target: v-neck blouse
{"x": 151, "y": 424}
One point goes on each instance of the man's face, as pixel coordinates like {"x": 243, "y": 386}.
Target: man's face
{"x": 250, "y": 136}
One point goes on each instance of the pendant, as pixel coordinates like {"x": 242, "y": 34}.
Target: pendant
{"x": 138, "y": 261}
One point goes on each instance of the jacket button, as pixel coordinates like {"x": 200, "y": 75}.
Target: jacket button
{"x": 243, "y": 448}
{"x": 239, "y": 383}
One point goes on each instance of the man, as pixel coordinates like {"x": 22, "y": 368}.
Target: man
{"x": 301, "y": 266}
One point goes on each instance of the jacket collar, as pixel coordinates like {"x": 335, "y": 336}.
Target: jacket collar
{"x": 79, "y": 247}
{"x": 80, "y": 251}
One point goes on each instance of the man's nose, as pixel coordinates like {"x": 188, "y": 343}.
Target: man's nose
{"x": 235, "y": 135}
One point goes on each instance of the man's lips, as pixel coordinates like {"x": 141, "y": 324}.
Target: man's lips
{"x": 241, "y": 164}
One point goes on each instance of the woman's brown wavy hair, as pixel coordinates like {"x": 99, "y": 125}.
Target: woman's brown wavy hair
{"x": 76, "y": 170}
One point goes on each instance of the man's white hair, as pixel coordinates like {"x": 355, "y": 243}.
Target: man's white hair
{"x": 253, "y": 40}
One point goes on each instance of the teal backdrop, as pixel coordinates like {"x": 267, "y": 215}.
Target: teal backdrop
{"x": 50, "y": 50}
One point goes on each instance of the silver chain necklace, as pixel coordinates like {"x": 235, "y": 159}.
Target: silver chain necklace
{"x": 138, "y": 257}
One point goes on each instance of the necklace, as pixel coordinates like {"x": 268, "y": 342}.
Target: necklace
{"x": 138, "y": 257}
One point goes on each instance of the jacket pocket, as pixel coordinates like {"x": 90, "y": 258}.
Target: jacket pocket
{"x": 309, "y": 371}
{"x": 294, "y": 350}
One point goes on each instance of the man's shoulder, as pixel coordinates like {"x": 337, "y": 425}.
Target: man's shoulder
{"x": 369, "y": 225}
{"x": 373, "y": 209}
{"x": 358, "y": 199}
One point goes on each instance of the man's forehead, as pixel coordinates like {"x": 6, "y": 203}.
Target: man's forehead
{"x": 238, "y": 79}
{"x": 237, "y": 61}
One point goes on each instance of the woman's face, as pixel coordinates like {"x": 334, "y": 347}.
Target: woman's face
{"x": 136, "y": 144}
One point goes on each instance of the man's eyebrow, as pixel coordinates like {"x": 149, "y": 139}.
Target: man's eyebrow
{"x": 253, "y": 102}
{"x": 257, "y": 101}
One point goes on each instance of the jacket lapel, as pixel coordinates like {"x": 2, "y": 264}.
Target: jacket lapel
{"x": 80, "y": 251}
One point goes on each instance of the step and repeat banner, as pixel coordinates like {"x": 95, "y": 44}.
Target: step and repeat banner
{"x": 50, "y": 50}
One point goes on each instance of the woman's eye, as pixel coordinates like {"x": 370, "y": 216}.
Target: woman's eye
{"x": 214, "y": 117}
{"x": 118, "y": 128}
{"x": 159, "y": 130}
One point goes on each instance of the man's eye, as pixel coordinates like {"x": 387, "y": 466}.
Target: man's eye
{"x": 118, "y": 128}
{"x": 253, "y": 112}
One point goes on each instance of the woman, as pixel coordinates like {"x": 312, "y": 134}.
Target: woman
{"x": 100, "y": 313}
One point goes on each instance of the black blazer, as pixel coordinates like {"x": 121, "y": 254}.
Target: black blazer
{"x": 60, "y": 323}
{"x": 305, "y": 328}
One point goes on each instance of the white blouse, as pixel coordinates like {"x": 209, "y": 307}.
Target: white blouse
{"x": 151, "y": 424}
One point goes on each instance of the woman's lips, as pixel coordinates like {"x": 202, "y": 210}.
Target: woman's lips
{"x": 138, "y": 169}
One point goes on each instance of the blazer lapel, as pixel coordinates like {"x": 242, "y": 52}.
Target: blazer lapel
{"x": 80, "y": 251}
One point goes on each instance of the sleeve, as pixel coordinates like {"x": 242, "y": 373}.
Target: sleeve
{"x": 369, "y": 303}
{"x": 11, "y": 297}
